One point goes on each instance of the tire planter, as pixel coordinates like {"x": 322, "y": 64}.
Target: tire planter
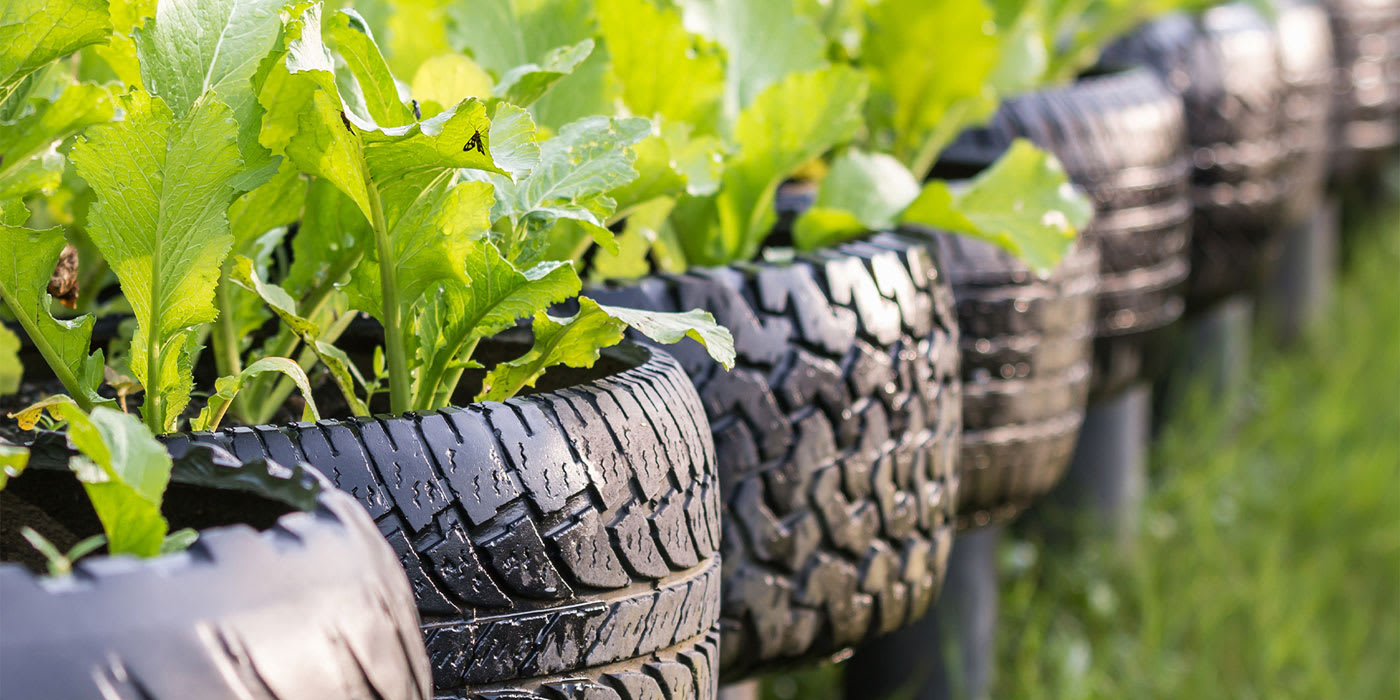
{"x": 305, "y": 605}
{"x": 1225, "y": 66}
{"x": 1121, "y": 137}
{"x": 1366, "y": 118}
{"x": 560, "y": 544}
{"x": 837, "y": 434}
{"x": 1306, "y": 64}
{"x": 1026, "y": 350}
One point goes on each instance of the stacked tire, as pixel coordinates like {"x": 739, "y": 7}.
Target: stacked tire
{"x": 1026, "y": 346}
{"x": 1121, "y": 138}
{"x": 1306, "y": 63}
{"x": 559, "y": 545}
{"x": 1224, "y": 65}
{"x": 837, "y": 435}
{"x": 304, "y": 602}
{"x": 1366, "y": 118}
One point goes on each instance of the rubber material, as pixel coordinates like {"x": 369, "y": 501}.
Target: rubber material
{"x": 1366, "y": 100}
{"x": 837, "y": 433}
{"x": 1121, "y": 137}
{"x": 1026, "y": 347}
{"x": 1225, "y": 67}
{"x": 1306, "y": 64}
{"x": 313, "y": 607}
{"x": 559, "y": 542}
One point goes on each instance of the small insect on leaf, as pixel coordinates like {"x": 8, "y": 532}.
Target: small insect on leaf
{"x": 346, "y": 121}
{"x": 475, "y": 144}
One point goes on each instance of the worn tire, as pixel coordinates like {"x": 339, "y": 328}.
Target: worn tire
{"x": 1121, "y": 137}
{"x": 837, "y": 434}
{"x": 313, "y": 606}
{"x": 560, "y": 545}
{"x": 1026, "y": 348}
{"x": 1225, "y": 67}
{"x": 1366, "y": 97}
{"x": 1306, "y": 65}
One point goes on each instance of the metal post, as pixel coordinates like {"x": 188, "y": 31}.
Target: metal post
{"x": 1302, "y": 283}
{"x": 949, "y": 652}
{"x": 1107, "y": 478}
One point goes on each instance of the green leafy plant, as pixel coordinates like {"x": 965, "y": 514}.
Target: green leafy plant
{"x": 124, "y": 470}
{"x": 459, "y": 209}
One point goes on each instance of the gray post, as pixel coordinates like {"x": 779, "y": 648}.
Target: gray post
{"x": 1302, "y": 283}
{"x": 1107, "y": 478}
{"x": 1216, "y": 353}
{"x": 949, "y": 652}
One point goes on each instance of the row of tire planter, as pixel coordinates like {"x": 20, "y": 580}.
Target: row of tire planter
{"x": 567, "y": 543}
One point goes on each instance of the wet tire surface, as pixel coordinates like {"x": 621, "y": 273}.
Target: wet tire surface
{"x": 837, "y": 435}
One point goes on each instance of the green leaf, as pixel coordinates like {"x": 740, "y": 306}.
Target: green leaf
{"x": 493, "y": 297}
{"x": 525, "y": 84}
{"x": 177, "y": 541}
{"x": 27, "y": 259}
{"x": 576, "y": 342}
{"x": 861, "y": 192}
{"x": 661, "y": 69}
{"x": 514, "y": 140}
{"x": 576, "y": 167}
{"x": 166, "y": 233}
{"x": 573, "y": 342}
{"x": 13, "y": 460}
{"x": 226, "y": 388}
{"x": 120, "y": 52}
{"x": 503, "y": 34}
{"x": 29, "y": 160}
{"x": 356, "y": 45}
{"x": 11, "y": 371}
{"x": 791, "y": 123}
{"x": 1025, "y": 56}
{"x": 429, "y": 244}
{"x": 673, "y": 327}
{"x": 930, "y": 62}
{"x": 819, "y": 227}
{"x": 1023, "y": 203}
{"x": 124, "y": 470}
{"x": 764, "y": 42}
{"x": 327, "y": 244}
{"x": 35, "y": 32}
{"x": 192, "y": 48}
{"x": 447, "y": 80}
{"x": 342, "y": 370}
{"x": 647, "y": 238}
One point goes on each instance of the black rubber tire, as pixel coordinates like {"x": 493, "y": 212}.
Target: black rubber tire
{"x": 1366, "y": 97}
{"x": 563, "y": 543}
{"x": 837, "y": 434}
{"x": 312, "y": 607}
{"x": 1122, "y": 138}
{"x": 1225, "y": 66}
{"x": 1026, "y": 349}
{"x": 1306, "y": 65}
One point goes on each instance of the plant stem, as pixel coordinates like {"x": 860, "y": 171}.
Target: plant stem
{"x": 447, "y": 386}
{"x": 306, "y": 359}
{"x": 226, "y": 358}
{"x": 399, "y": 391}
{"x": 60, "y": 369}
{"x": 88, "y": 287}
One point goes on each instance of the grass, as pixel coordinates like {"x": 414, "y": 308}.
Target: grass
{"x": 1269, "y": 561}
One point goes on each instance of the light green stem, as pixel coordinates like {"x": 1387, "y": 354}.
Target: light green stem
{"x": 400, "y": 398}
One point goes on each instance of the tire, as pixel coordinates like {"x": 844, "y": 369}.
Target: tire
{"x": 837, "y": 434}
{"x": 1306, "y": 65}
{"x": 1026, "y": 348}
{"x": 1366, "y": 100}
{"x": 560, "y": 544}
{"x": 311, "y": 606}
{"x": 1121, "y": 137}
{"x": 1225, "y": 67}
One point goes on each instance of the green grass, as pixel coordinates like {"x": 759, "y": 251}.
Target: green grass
{"x": 1269, "y": 562}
